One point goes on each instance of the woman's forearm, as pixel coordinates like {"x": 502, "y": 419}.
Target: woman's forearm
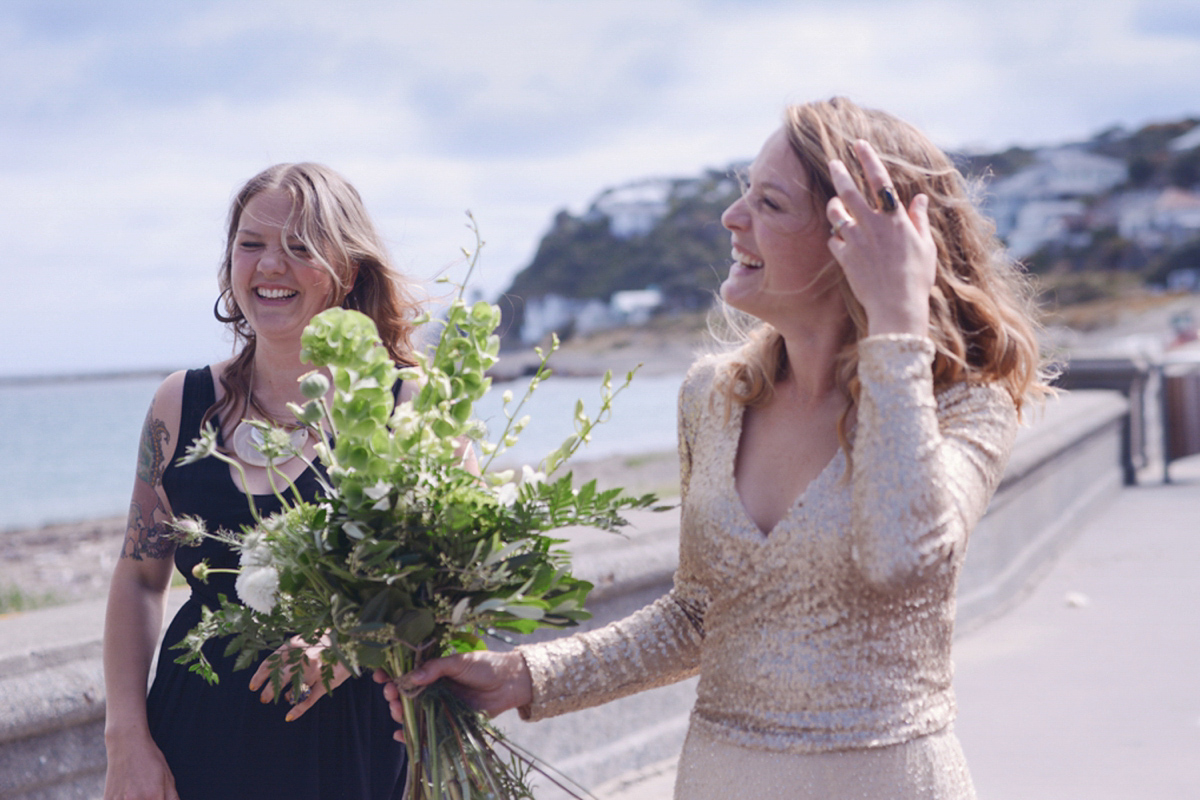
{"x": 131, "y": 630}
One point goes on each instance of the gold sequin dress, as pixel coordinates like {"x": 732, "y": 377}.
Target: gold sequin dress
{"x": 824, "y": 647}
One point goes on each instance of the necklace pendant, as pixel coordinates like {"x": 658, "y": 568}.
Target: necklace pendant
{"x": 248, "y": 445}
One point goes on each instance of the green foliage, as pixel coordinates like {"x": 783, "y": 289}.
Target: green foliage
{"x": 1186, "y": 256}
{"x": 996, "y": 165}
{"x": 1149, "y": 141}
{"x": 1151, "y": 163}
{"x": 14, "y": 599}
{"x": 685, "y": 254}
{"x": 408, "y": 555}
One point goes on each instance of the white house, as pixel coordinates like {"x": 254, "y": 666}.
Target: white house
{"x": 1160, "y": 218}
{"x": 1041, "y": 221}
{"x": 545, "y": 314}
{"x": 634, "y": 306}
{"x": 557, "y": 313}
{"x": 1185, "y": 142}
{"x": 1038, "y": 204}
{"x": 635, "y": 208}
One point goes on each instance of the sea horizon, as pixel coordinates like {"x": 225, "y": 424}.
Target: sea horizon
{"x": 71, "y": 459}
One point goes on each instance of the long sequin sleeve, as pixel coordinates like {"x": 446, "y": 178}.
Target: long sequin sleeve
{"x": 924, "y": 468}
{"x": 658, "y": 645}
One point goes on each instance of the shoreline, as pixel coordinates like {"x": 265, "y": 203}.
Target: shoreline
{"x": 73, "y": 561}
{"x": 66, "y": 562}
{"x": 668, "y": 347}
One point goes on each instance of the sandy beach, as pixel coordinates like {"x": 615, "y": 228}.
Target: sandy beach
{"x": 665, "y": 346}
{"x": 67, "y": 563}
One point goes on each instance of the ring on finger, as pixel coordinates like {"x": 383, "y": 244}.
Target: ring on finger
{"x": 305, "y": 691}
{"x": 887, "y": 199}
{"x": 836, "y": 230}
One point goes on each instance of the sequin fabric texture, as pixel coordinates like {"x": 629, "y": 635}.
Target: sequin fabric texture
{"x": 833, "y": 631}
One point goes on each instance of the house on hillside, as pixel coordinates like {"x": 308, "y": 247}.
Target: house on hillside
{"x": 1046, "y": 201}
{"x": 1187, "y": 141}
{"x": 633, "y": 209}
{"x": 1165, "y": 218}
{"x": 568, "y": 315}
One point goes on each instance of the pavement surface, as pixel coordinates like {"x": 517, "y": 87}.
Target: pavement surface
{"x": 1088, "y": 688}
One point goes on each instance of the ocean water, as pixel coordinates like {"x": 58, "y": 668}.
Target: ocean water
{"x": 70, "y": 447}
{"x": 642, "y": 421}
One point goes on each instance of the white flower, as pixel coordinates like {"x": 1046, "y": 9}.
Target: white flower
{"x": 255, "y": 552}
{"x": 530, "y": 477}
{"x": 506, "y": 493}
{"x": 258, "y": 580}
{"x": 257, "y": 587}
{"x": 189, "y": 530}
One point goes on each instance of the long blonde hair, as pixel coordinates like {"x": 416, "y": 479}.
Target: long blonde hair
{"x": 329, "y": 218}
{"x": 981, "y": 312}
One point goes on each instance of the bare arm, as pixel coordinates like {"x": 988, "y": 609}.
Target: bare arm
{"x": 136, "y": 600}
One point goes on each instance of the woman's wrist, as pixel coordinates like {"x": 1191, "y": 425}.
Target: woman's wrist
{"x": 901, "y": 320}
{"x": 124, "y": 733}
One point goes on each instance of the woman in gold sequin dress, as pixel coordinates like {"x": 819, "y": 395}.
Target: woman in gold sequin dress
{"x": 832, "y": 468}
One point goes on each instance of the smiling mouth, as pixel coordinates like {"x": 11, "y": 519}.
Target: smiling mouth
{"x": 275, "y": 294}
{"x": 746, "y": 260}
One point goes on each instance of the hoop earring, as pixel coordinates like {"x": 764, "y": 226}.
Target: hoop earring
{"x": 237, "y": 315}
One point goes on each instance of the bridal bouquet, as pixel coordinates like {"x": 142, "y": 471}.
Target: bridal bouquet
{"x": 408, "y": 555}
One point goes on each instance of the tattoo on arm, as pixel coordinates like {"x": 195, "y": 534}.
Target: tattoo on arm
{"x": 146, "y": 534}
{"x": 146, "y": 537}
{"x": 151, "y": 458}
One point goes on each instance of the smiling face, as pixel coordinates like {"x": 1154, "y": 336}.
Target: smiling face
{"x": 276, "y": 283}
{"x": 781, "y": 259}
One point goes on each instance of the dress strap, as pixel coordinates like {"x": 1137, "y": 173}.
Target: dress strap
{"x": 198, "y": 397}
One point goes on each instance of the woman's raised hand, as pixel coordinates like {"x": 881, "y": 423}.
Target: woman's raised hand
{"x": 487, "y": 681}
{"x": 887, "y": 253}
{"x": 313, "y": 689}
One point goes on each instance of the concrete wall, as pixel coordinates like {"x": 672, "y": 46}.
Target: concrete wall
{"x": 1064, "y": 467}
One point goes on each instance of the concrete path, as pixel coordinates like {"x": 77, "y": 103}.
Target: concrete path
{"x": 1089, "y": 688}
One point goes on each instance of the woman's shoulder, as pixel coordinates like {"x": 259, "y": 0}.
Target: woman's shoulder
{"x": 170, "y": 391}
{"x": 701, "y": 390}
{"x": 706, "y": 370}
{"x": 170, "y": 396}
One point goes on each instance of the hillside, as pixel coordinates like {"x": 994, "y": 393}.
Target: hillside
{"x": 1122, "y": 202}
{"x": 669, "y": 237}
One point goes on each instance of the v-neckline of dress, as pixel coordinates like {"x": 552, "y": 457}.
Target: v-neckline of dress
{"x": 737, "y": 416}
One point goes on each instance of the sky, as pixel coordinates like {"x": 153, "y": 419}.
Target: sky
{"x": 127, "y": 126}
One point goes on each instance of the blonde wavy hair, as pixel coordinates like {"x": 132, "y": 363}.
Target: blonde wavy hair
{"x": 981, "y": 311}
{"x": 329, "y": 218}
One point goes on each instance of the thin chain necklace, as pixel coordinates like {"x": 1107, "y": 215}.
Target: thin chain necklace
{"x": 248, "y": 440}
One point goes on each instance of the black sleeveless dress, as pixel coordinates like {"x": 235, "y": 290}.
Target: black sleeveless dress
{"x": 219, "y": 740}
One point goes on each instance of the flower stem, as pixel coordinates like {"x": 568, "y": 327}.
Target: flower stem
{"x": 399, "y": 662}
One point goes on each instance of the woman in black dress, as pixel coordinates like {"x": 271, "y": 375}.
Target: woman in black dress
{"x": 299, "y": 241}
